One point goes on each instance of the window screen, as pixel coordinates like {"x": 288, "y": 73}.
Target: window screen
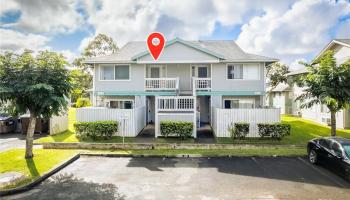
{"x": 107, "y": 73}
{"x": 122, "y": 72}
{"x": 235, "y": 71}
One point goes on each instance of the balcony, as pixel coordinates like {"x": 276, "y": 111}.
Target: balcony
{"x": 203, "y": 84}
{"x": 175, "y": 103}
{"x": 161, "y": 84}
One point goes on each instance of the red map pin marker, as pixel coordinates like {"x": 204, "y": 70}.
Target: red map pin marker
{"x": 155, "y": 43}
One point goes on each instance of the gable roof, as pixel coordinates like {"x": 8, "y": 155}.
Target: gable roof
{"x": 343, "y": 42}
{"x": 186, "y": 43}
{"x": 224, "y": 50}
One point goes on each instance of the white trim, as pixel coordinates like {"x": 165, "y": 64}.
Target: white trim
{"x": 327, "y": 47}
{"x": 93, "y": 87}
{"x": 243, "y": 65}
{"x": 101, "y": 65}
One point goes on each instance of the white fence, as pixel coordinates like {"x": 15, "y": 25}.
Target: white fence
{"x": 223, "y": 118}
{"x": 161, "y": 83}
{"x": 175, "y": 103}
{"x": 202, "y": 83}
{"x": 131, "y": 121}
{"x": 58, "y": 124}
{"x": 183, "y": 117}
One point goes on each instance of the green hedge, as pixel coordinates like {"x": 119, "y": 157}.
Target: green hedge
{"x": 176, "y": 128}
{"x": 239, "y": 130}
{"x": 96, "y": 130}
{"x": 274, "y": 130}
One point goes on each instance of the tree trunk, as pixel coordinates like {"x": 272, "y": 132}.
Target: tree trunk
{"x": 30, "y": 134}
{"x": 333, "y": 124}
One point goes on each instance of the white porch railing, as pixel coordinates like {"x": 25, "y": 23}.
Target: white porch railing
{"x": 202, "y": 83}
{"x": 175, "y": 103}
{"x": 161, "y": 83}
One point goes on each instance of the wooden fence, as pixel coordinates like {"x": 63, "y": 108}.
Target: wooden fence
{"x": 223, "y": 118}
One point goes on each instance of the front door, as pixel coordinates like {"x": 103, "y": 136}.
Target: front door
{"x": 202, "y": 72}
{"x": 155, "y": 72}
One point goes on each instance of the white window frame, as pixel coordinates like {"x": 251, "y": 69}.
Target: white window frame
{"x": 196, "y": 70}
{"x": 239, "y": 99}
{"x": 243, "y": 79}
{"x": 114, "y": 65}
{"x": 109, "y": 102}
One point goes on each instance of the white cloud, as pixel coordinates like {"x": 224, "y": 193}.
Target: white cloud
{"x": 344, "y": 30}
{"x": 303, "y": 29}
{"x": 8, "y": 6}
{"x": 45, "y": 15}
{"x": 15, "y": 41}
{"x": 127, "y": 20}
{"x": 68, "y": 55}
{"x": 295, "y": 64}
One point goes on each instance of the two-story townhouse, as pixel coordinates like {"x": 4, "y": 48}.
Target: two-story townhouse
{"x": 188, "y": 77}
{"x": 320, "y": 113}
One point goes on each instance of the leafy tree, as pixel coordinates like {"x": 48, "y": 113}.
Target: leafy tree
{"x": 327, "y": 84}
{"x": 276, "y": 74}
{"x": 101, "y": 45}
{"x": 37, "y": 84}
{"x": 81, "y": 81}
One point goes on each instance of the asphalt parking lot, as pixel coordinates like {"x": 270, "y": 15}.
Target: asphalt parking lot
{"x": 191, "y": 178}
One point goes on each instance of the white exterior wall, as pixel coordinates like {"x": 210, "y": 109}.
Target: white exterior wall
{"x": 136, "y": 82}
{"x": 221, "y": 83}
{"x": 183, "y": 72}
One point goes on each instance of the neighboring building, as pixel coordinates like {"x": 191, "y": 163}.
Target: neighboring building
{"x": 320, "y": 113}
{"x": 281, "y": 97}
{"x": 189, "y": 77}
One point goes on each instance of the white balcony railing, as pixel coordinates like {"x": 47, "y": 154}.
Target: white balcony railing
{"x": 202, "y": 83}
{"x": 161, "y": 83}
{"x": 175, "y": 103}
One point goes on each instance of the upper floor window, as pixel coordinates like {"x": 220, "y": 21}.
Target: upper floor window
{"x": 115, "y": 72}
{"x": 248, "y": 71}
{"x": 235, "y": 71}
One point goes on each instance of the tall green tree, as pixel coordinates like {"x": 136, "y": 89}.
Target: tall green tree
{"x": 276, "y": 74}
{"x": 101, "y": 45}
{"x": 328, "y": 84}
{"x": 38, "y": 84}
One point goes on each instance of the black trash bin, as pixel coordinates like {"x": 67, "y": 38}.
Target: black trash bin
{"x": 7, "y": 124}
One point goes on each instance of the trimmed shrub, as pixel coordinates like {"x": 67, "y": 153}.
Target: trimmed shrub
{"x": 274, "y": 130}
{"x": 96, "y": 130}
{"x": 176, "y": 128}
{"x": 82, "y": 102}
{"x": 239, "y": 130}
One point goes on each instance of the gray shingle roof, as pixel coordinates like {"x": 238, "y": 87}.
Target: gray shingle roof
{"x": 227, "y": 48}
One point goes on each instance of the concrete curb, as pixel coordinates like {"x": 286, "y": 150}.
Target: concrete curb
{"x": 40, "y": 179}
{"x": 143, "y": 146}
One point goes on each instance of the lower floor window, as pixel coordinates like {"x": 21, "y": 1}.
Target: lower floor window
{"x": 238, "y": 103}
{"x": 120, "y": 104}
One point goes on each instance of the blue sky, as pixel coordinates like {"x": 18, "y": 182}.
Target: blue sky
{"x": 288, "y": 30}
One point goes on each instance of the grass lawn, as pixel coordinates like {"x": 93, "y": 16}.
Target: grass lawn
{"x": 44, "y": 160}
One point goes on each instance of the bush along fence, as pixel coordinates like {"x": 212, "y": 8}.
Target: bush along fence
{"x": 266, "y": 130}
{"x": 96, "y": 130}
{"x": 274, "y": 130}
{"x": 176, "y": 128}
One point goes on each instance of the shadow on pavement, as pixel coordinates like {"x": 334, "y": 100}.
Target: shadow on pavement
{"x": 68, "y": 187}
{"x": 281, "y": 168}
